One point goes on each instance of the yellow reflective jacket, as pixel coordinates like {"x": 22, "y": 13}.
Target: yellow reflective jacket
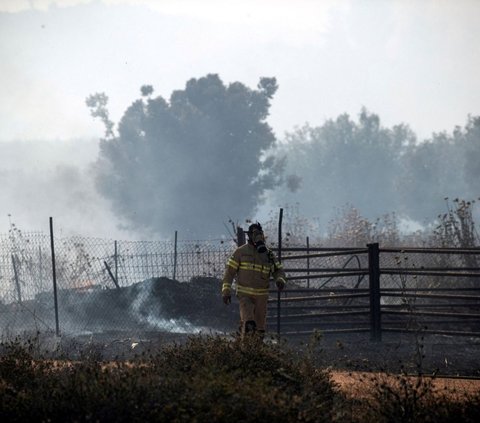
{"x": 252, "y": 271}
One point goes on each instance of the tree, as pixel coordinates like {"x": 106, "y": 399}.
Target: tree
{"x": 345, "y": 162}
{"x": 191, "y": 162}
{"x": 471, "y": 135}
{"x": 444, "y": 166}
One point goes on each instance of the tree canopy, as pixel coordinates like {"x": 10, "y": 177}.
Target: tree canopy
{"x": 191, "y": 162}
{"x": 377, "y": 169}
{"x": 207, "y": 154}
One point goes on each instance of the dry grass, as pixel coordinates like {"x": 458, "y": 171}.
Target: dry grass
{"x": 362, "y": 384}
{"x": 216, "y": 379}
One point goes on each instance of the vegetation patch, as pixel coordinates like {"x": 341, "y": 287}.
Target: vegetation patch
{"x": 206, "y": 379}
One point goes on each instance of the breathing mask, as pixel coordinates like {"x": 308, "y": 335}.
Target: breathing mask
{"x": 255, "y": 234}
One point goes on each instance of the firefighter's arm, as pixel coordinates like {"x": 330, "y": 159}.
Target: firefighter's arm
{"x": 231, "y": 269}
{"x": 278, "y": 274}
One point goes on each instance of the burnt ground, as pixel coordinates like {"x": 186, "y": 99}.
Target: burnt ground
{"x": 438, "y": 355}
{"x": 191, "y": 308}
{"x": 432, "y": 354}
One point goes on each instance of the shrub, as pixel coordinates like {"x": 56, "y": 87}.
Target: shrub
{"x": 404, "y": 398}
{"x": 211, "y": 379}
{"x": 206, "y": 379}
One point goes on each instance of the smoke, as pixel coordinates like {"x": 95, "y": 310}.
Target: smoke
{"x": 147, "y": 312}
{"x": 40, "y": 179}
{"x": 191, "y": 162}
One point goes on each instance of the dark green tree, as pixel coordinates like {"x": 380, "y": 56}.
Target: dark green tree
{"x": 191, "y": 162}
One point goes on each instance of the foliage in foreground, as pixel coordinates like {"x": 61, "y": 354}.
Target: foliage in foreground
{"x": 403, "y": 398}
{"x": 207, "y": 379}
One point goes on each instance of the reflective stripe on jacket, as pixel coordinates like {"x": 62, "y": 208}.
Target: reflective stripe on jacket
{"x": 252, "y": 271}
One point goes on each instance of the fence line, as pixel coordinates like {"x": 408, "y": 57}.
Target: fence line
{"x": 409, "y": 290}
{"x": 81, "y": 263}
{"x": 103, "y": 284}
{"x": 100, "y": 284}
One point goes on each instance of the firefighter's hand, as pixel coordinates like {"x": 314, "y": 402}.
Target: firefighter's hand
{"x": 227, "y": 299}
{"x": 280, "y": 284}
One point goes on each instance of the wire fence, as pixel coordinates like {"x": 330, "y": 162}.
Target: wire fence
{"x": 84, "y": 263}
{"x": 114, "y": 285}
{"x": 89, "y": 272}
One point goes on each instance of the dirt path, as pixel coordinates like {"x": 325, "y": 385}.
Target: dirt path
{"x": 360, "y": 384}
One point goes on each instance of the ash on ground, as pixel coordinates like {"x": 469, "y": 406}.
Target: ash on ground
{"x": 141, "y": 318}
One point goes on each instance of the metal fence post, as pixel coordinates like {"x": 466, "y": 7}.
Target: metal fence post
{"x": 116, "y": 262}
{"x": 40, "y": 265}
{"x": 175, "y": 256}
{"x": 374, "y": 286}
{"x": 240, "y": 236}
{"x": 308, "y": 262}
{"x": 279, "y": 260}
{"x": 54, "y": 275}
{"x": 17, "y": 280}
{"x": 111, "y": 274}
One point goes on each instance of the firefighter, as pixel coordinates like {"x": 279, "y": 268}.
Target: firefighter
{"x": 252, "y": 264}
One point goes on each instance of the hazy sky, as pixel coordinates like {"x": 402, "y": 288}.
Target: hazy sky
{"x": 412, "y": 61}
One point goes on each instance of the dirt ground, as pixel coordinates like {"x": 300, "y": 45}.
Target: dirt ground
{"x": 199, "y": 302}
{"x": 355, "y": 363}
{"x": 440, "y": 355}
{"x": 359, "y": 384}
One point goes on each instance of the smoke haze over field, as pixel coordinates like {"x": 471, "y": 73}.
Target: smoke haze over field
{"x": 53, "y": 178}
{"x": 410, "y": 62}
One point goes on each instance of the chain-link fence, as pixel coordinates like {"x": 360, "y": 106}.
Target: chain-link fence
{"x": 101, "y": 284}
{"x": 122, "y": 285}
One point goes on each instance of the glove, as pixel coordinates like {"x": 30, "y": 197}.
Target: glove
{"x": 227, "y": 299}
{"x": 280, "y": 284}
